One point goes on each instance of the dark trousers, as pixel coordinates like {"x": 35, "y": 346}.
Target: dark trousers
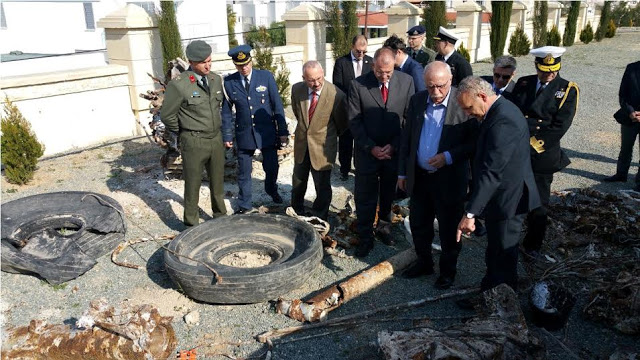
{"x": 345, "y": 151}
{"x": 628, "y": 134}
{"x": 375, "y": 183}
{"x": 200, "y": 152}
{"x": 425, "y": 205}
{"x": 501, "y": 256}
{"x": 245, "y": 165}
{"x": 537, "y": 218}
{"x": 322, "y": 182}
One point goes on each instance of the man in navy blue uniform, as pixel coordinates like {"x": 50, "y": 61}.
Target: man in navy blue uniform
{"x": 405, "y": 63}
{"x": 259, "y": 123}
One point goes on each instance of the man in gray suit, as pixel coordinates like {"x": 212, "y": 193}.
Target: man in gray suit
{"x": 378, "y": 103}
{"x": 504, "y": 70}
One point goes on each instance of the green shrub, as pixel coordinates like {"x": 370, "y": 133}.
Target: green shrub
{"x": 553, "y": 37}
{"x": 263, "y": 59}
{"x": 282, "y": 80}
{"x": 611, "y": 29}
{"x": 519, "y": 44}
{"x": 342, "y": 23}
{"x": 464, "y": 52}
{"x": 586, "y": 35}
{"x": 569, "y": 36}
{"x": 20, "y": 147}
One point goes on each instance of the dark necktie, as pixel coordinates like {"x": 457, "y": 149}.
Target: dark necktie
{"x": 246, "y": 84}
{"x": 385, "y": 93}
{"x": 413, "y": 54}
{"x": 205, "y": 86}
{"x": 312, "y": 106}
{"x": 539, "y": 90}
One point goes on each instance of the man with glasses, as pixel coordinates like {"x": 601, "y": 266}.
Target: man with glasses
{"x": 347, "y": 68}
{"x": 437, "y": 142}
{"x": 259, "y": 124}
{"x": 549, "y": 104}
{"x": 416, "y": 50}
{"x": 446, "y": 46}
{"x": 378, "y": 103}
{"x": 191, "y": 110}
{"x": 504, "y": 70}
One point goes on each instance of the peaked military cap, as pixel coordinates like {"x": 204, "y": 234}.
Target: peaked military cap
{"x": 548, "y": 58}
{"x": 445, "y": 35}
{"x": 198, "y": 51}
{"x": 240, "y": 54}
{"x": 416, "y": 30}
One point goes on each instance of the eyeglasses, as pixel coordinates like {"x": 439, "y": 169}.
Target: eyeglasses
{"x": 439, "y": 87}
{"x": 360, "y": 51}
{"x": 503, "y": 77}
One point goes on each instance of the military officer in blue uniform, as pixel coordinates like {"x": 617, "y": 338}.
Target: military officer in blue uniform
{"x": 259, "y": 123}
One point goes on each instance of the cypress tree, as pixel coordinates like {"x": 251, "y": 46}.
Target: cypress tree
{"x": 605, "y": 16}
{"x": 569, "y": 36}
{"x": 553, "y": 37}
{"x": 343, "y": 25}
{"x": 464, "y": 52}
{"x": 541, "y": 13}
{"x": 434, "y": 15}
{"x": 500, "y": 16}
{"x": 169, "y": 33}
{"x": 231, "y": 26}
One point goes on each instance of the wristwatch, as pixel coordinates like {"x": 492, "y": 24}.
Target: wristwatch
{"x": 469, "y": 215}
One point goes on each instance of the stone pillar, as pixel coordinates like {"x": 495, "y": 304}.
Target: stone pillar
{"x": 555, "y": 10}
{"x": 133, "y": 40}
{"x": 402, "y": 17}
{"x": 305, "y": 26}
{"x": 470, "y": 17}
{"x": 518, "y": 12}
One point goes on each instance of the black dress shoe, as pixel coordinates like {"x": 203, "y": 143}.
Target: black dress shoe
{"x": 240, "y": 211}
{"x": 444, "y": 282}
{"x": 363, "y": 249}
{"x": 615, "y": 178}
{"x": 480, "y": 229}
{"x": 383, "y": 233}
{"x": 418, "y": 269}
{"x": 277, "y": 198}
{"x": 344, "y": 177}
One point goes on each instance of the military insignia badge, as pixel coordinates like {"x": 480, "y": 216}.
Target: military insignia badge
{"x": 261, "y": 88}
{"x": 241, "y": 56}
{"x": 195, "y": 94}
{"x": 415, "y": 32}
{"x": 559, "y": 94}
{"x": 192, "y": 79}
{"x": 548, "y": 60}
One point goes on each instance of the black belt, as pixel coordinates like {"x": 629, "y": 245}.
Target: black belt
{"x": 421, "y": 171}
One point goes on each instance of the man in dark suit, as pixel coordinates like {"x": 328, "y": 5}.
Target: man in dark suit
{"x": 259, "y": 124}
{"x": 504, "y": 188}
{"x": 504, "y": 69}
{"x": 629, "y": 118}
{"x": 319, "y": 107}
{"x": 549, "y": 104}
{"x": 378, "y": 103}
{"x": 406, "y": 64}
{"x": 347, "y": 68}
{"x": 437, "y": 141}
{"x": 416, "y": 49}
{"x": 445, "y": 44}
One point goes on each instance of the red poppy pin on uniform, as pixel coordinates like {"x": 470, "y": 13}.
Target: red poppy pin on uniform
{"x": 192, "y": 79}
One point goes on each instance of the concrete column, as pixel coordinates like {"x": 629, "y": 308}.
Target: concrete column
{"x": 305, "y": 26}
{"x": 555, "y": 10}
{"x": 470, "y": 18}
{"x": 402, "y": 17}
{"x": 133, "y": 40}
{"x": 518, "y": 12}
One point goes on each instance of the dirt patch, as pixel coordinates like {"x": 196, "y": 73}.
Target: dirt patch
{"x": 247, "y": 259}
{"x": 168, "y": 301}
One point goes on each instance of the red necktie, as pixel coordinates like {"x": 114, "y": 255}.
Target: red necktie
{"x": 385, "y": 93}
{"x": 314, "y": 103}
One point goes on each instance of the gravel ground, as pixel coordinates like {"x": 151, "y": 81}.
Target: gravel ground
{"x": 129, "y": 172}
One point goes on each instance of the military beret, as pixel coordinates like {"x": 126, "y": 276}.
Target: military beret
{"x": 198, "y": 50}
{"x": 240, "y": 54}
{"x": 445, "y": 35}
{"x": 548, "y": 58}
{"x": 416, "y": 30}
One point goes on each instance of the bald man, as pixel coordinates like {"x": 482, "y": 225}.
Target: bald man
{"x": 378, "y": 103}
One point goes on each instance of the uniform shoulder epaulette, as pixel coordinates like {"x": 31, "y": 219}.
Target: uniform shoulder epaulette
{"x": 566, "y": 93}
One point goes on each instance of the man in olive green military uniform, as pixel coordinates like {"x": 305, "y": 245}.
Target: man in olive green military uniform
{"x": 416, "y": 50}
{"x": 191, "y": 110}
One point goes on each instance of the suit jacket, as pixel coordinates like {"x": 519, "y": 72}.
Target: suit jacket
{"x": 423, "y": 56}
{"x": 507, "y": 90}
{"x": 458, "y": 138}
{"x": 628, "y": 93}
{"x": 343, "y": 71}
{"x": 460, "y": 67}
{"x": 503, "y": 182}
{"x": 415, "y": 70}
{"x": 259, "y": 114}
{"x": 371, "y": 121}
{"x": 549, "y": 116}
{"x": 320, "y": 136}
